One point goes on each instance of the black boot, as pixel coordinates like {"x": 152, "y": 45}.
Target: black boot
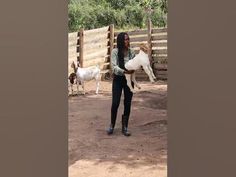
{"x": 112, "y": 125}
{"x": 110, "y": 130}
{"x": 125, "y": 120}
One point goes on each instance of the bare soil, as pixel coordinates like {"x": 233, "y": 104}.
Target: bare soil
{"x": 92, "y": 153}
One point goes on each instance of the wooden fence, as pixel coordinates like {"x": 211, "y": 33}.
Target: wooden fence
{"x": 90, "y": 47}
{"x": 93, "y": 47}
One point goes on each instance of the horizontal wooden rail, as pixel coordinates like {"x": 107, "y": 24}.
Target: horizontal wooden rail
{"x": 159, "y": 30}
{"x": 160, "y": 37}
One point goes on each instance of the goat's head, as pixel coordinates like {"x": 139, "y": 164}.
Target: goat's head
{"x": 72, "y": 78}
{"x": 144, "y": 48}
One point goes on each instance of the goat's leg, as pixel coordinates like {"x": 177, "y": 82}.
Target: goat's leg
{"x": 97, "y": 86}
{"x": 71, "y": 87}
{"x": 128, "y": 79}
{"x": 77, "y": 83}
{"x": 82, "y": 83}
{"x": 147, "y": 71}
{"x": 134, "y": 80}
{"x": 97, "y": 78}
{"x": 150, "y": 68}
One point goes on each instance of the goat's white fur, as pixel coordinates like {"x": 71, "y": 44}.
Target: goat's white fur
{"x": 141, "y": 59}
{"x": 87, "y": 74}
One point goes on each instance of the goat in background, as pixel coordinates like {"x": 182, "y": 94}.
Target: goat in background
{"x": 86, "y": 74}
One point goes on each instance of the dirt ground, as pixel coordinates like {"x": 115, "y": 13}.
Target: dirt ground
{"x": 92, "y": 153}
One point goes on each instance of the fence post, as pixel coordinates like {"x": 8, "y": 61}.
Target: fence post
{"x": 81, "y": 47}
{"x": 150, "y": 38}
{"x": 111, "y": 41}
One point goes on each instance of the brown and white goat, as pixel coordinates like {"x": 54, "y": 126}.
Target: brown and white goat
{"x": 87, "y": 74}
{"x": 72, "y": 79}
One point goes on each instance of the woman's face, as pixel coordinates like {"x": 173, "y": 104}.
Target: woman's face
{"x": 126, "y": 41}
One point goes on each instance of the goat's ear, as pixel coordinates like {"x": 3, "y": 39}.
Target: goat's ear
{"x": 72, "y": 64}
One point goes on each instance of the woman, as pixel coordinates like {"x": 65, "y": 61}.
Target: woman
{"x": 119, "y": 57}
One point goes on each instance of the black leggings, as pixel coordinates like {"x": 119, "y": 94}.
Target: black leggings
{"x": 119, "y": 83}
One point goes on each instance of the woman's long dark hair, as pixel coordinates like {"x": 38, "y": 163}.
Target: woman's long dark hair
{"x": 121, "y": 47}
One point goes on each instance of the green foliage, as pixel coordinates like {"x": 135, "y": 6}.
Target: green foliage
{"x": 89, "y": 14}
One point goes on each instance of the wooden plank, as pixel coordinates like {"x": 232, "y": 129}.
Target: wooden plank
{"x": 94, "y": 62}
{"x": 89, "y": 52}
{"x": 159, "y": 58}
{"x": 159, "y": 51}
{"x": 137, "y": 32}
{"x": 92, "y": 35}
{"x": 96, "y": 35}
{"x": 160, "y": 44}
{"x": 73, "y": 35}
{"x": 160, "y": 66}
{"x": 97, "y": 45}
{"x": 134, "y": 45}
{"x": 103, "y": 29}
{"x": 137, "y": 39}
{"x": 72, "y": 45}
{"x": 159, "y": 37}
{"x": 133, "y": 32}
{"x": 72, "y": 52}
{"x": 159, "y": 30}
{"x": 96, "y": 39}
{"x": 162, "y": 77}
{"x": 74, "y": 40}
{"x": 161, "y": 72}
{"x": 96, "y": 54}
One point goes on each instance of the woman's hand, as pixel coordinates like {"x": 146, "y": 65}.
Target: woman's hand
{"x": 129, "y": 72}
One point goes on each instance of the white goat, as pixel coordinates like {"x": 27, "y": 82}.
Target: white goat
{"x": 87, "y": 74}
{"x": 141, "y": 59}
